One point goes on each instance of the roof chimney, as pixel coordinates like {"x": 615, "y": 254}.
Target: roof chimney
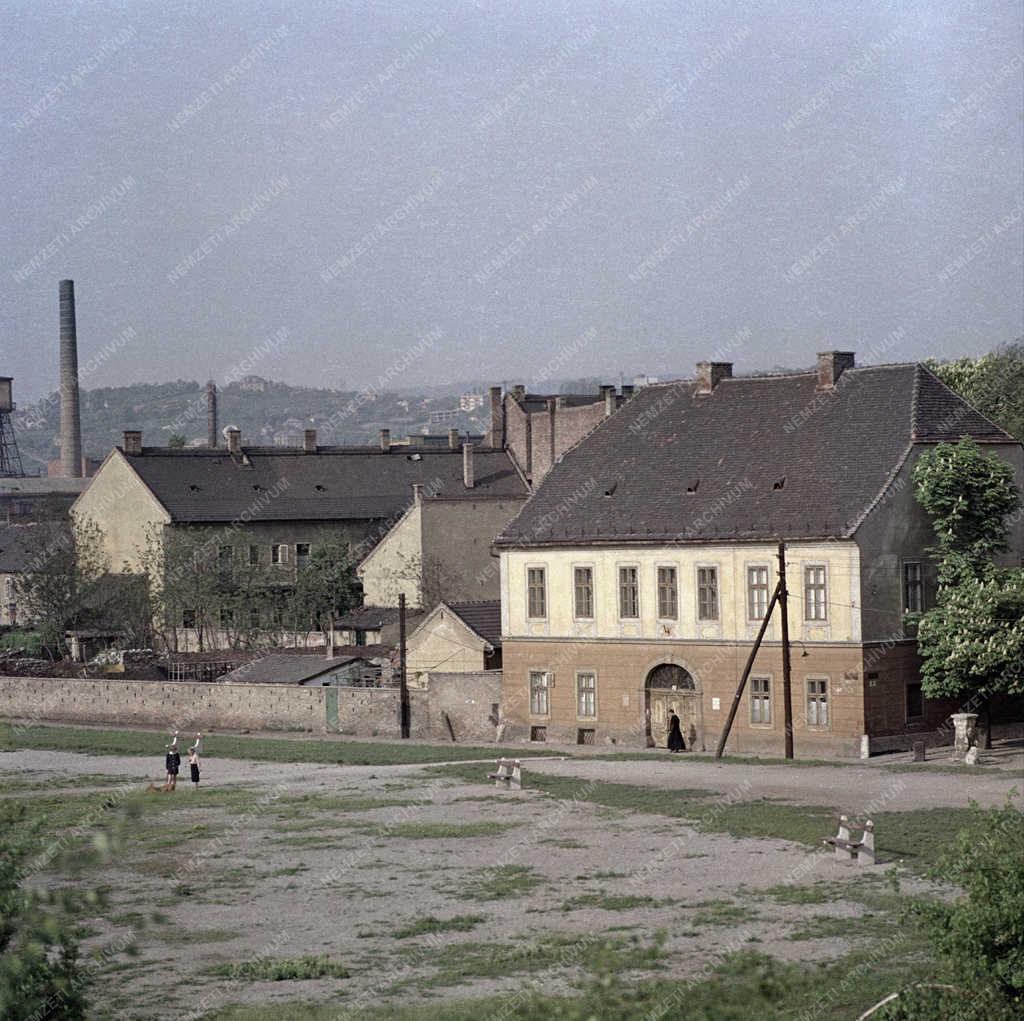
{"x": 211, "y": 415}
{"x": 608, "y": 393}
{"x": 831, "y": 365}
{"x": 453, "y": 439}
{"x": 234, "y": 441}
{"x": 417, "y": 493}
{"x": 627, "y": 390}
{"x": 70, "y": 417}
{"x": 385, "y": 440}
{"x": 467, "y": 465}
{"x": 309, "y": 441}
{"x": 519, "y": 392}
{"x": 132, "y": 442}
{"x": 496, "y": 436}
{"x": 710, "y": 374}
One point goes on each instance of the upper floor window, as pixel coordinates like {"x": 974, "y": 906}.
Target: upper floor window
{"x": 629, "y": 594}
{"x": 301, "y": 554}
{"x": 583, "y": 592}
{"x": 668, "y": 594}
{"x": 279, "y": 553}
{"x": 538, "y": 692}
{"x": 913, "y": 587}
{"x": 188, "y": 617}
{"x": 225, "y": 553}
{"x": 757, "y": 592}
{"x": 707, "y": 593}
{"x": 760, "y": 700}
{"x": 586, "y": 695}
{"x": 254, "y": 556}
{"x": 815, "y": 593}
{"x": 254, "y": 617}
{"x": 536, "y": 593}
{"x": 227, "y": 617}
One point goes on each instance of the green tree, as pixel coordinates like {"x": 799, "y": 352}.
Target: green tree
{"x": 326, "y": 586}
{"x": 176, "y": 441}
{"x": 978, "y": 938}
{"x": 993, "y": 383}
{"x": 972, "y": 641}
{"x": 62, "y": 579}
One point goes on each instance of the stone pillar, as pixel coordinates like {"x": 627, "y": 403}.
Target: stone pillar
{"x": 963, "y": 734}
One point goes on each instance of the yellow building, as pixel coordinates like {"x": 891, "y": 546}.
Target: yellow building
{"x": 636, "y": 578}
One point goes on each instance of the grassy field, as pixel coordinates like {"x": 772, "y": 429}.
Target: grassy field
{"x": 96, "y": 741}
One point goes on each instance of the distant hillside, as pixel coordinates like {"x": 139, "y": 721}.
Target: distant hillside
{"x": 268, "y": 413}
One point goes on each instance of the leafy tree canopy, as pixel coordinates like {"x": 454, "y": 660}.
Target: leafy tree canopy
{"x": 327, "y": 586}
{"x": 994, "y": 384}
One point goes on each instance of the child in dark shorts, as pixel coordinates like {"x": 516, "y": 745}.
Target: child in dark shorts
{"x": 193, "y": 762}
{"x": 172, "y": 762}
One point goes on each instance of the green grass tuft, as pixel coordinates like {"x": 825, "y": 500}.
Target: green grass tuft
{"x": 265, "y": 969}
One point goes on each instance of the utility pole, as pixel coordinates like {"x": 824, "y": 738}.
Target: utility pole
{"x": 746, "y": 673}
{"x": 403, "y": 686}
{"x": 787, "y": 673}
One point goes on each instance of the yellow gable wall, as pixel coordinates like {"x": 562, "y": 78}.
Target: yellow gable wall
{"x": 394, "y": 565}
{"x": 124, "y": 509}
{"x": 843, "y": 582}
{"x": 443, "y": 643}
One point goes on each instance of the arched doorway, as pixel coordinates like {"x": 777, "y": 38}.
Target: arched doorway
{"x": 670, "y": 687}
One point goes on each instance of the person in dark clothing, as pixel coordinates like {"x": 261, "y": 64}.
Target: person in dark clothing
{"x": 675, "y": 734}
{"x": 172, "y": 762}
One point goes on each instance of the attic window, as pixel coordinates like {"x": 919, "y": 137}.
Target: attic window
{"x": 779, "y": 483}
{"x": 320, "y": 489}
{"x": 193, "y": 487}
{"x": 692, "y": 489}
{"x": 257, "y": 488}
{"x": 610, "y": 491}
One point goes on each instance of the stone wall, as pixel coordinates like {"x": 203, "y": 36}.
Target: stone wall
{"x": 172, "y": 704}
{"x": 469, "y": 699}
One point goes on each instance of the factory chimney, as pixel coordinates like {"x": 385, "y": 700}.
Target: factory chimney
{"x": 212, "y": 439}
{"x": 70, "y": 417}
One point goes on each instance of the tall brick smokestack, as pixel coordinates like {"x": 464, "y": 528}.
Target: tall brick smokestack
{"x": 212, "y": 439}
{"x": 70, "y": 416}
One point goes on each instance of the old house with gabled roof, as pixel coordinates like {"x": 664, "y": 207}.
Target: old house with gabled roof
{"x": 269, "y": 506}
{"x": 634, "y": 580}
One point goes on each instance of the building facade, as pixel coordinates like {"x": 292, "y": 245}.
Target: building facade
{"x": 638, "y": 575}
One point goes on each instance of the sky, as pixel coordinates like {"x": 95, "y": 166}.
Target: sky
{"x": 356, "y": 194}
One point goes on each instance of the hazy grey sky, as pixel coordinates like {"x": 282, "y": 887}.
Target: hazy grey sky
{"x": 580, "y": 186}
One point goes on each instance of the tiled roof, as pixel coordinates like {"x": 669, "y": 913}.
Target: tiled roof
{"x": 760, "y": 458}
{"x": 276, "y": 484}
{"x": 372, "y": 618}
{"x": 483, "y": 616}
{"x": 278, "y": 668}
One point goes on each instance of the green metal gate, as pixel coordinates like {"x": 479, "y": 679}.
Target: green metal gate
{"x": 331, "y": 709}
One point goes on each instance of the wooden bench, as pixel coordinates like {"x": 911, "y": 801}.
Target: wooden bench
{"x": 847, "y": 849}
{"x": 508, "y": 773}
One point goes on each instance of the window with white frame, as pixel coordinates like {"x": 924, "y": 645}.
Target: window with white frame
{"x": 539, "y": 692}
{"x": 629, "y": 594}
{"x": 757, "y": 592}
{"x": 279, "y": 553}
{"x": 536, "y": 593}
{"x": 913, "y": 587}
{"x": 760, "y": 700}
{"x": 583, "y": 593}
{"x": 668, "y": 594}
{"x": 815, "y": 592}
{"x": 707, "y": 593}
{"x": 817, "y": 702}
{"x": 586, "y": 695}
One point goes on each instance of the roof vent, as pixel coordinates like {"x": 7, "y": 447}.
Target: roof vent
{"x": 193, "y": 487}
{"x": 320, "y": 489}
{"x": 610, "y": 491}
{"x": 693, "y": 488}
{"x": 779, "y": 483}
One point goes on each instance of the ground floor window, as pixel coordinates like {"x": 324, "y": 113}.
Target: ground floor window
{"x": 760, "y": 700}
{"x": 915, "y": 703}
{"x": 538, "y": 733}
{"x": 586, "y": 695}
{"x": 817, "y": 702}
{"x": 538, "y": 692}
